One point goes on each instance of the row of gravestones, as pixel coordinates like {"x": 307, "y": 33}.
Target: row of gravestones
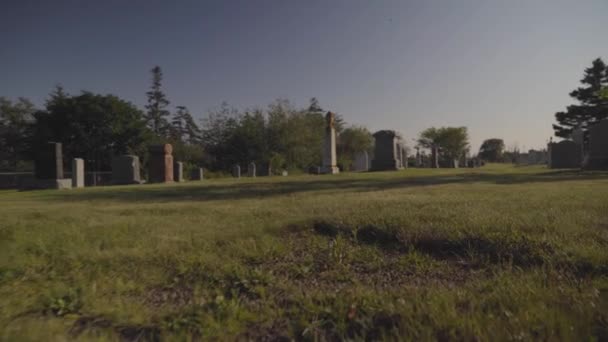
{"x": 125, "y": 169}
{"x": 389, "y": 154}
{"x": 252, "y": 170}
{"x": 571, "y": 154}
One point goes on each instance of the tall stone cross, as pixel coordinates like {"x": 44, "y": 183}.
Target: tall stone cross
{"x": 330, "y": 164}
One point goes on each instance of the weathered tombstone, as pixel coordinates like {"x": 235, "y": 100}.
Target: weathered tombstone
{"x": 398, "y": 156}
{"x": 125, "y": 170}
{"x": 49, "y": 161}
{"x": 251, "y": 170}
{"x": 160, "y": 165}
{"x": 434, "y": 157}
{"x": 314, "y": 170}
{"x": 361, "y": 161}
{"x": 236, "y": 171}
{"x": 197, "y": 174}
{"x": 329, "y": 146}
{"x": 178, "y": 171}
{"x": 598, "y": 146}
{"x": 404, "y": 156}
{"x": 265, "y": 170}
{"x": 77, "y": 173}
{"x": 284, "y": 173}
{"x": 48, "y": 172}
{"x": 565, "y": 154}
{"x": 385, "y": 151}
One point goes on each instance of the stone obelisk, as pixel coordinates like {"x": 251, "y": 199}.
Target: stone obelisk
{"x": 329, "y": 146}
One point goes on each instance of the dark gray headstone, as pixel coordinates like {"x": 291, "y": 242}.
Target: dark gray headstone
{"x": 598, "y": 146}
{"x": 236, "y": 171}
{"x": 77, "y": 173}
{"x": 178, "y": 172}
{"x": 314, "y": 170}
{"x": 265, "y": 170}
{"x": 197, "y": 174}
{"x": 125, "y": 170}
{"x": 385, "y": 151}
{"x": 566, "y": 154}
{"x": 251, "y": 170}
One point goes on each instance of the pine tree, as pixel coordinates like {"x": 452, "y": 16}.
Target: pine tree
{"x": 592, "y": 106}
{"x": 156, "y": 117}
{"x": 184, "y": 128}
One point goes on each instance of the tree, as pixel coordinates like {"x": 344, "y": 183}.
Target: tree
{"x": 156, "y": 116}
{"x": 591, "y": 107}
{"x": 492, "y": 150}
{"x": 91, "y": 126}
{"x": 453, "y": 142}
{"x": 15, "y": 131}
{"x": 353, "y": 140}
{"x": 183, "y": 127}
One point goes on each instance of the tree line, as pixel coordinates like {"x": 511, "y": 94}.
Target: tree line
{"x": 97, "y": 127}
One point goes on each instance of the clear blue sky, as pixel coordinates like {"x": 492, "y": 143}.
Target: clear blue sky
{"x": 501, "y": 68}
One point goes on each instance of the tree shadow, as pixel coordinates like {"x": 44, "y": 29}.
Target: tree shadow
{"x": 264, "y": 187}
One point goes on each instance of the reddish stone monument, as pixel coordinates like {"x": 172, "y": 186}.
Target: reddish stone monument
{"x": 160, "y": 165}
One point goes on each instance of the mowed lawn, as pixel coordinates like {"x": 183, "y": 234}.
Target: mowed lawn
{"x": 496, "y": 253}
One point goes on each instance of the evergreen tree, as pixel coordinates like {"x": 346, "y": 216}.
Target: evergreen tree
{"x": 156, "y": 117}
{"x": 184, "y": 128}
{"x": 592, "y": 106}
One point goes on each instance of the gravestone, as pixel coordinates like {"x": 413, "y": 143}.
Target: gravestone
{"x": 398, "y": 155}
{"x": 329, "y": 146}
{"x": 236, "y": 171}
{"x": 598, "y": 146}
{"x": 565, "y": 154}
{"x": 361, "y": 161}
{"x": 314, "y": 170}
{"x": 178, "y": 171}
{"x": 434, "y": 157}
{"x": 385, "y": 151}
{"x": 418, "y": 158}
{"x": 404, "y": 162}
{"x": 197, "y": 174}
{"x": 284, "y": 173}
{"x": 77, "y": 173}
{"x": 251, "y": 170}
{"x": 160, "y": 165}
{"x": 48, "y": 173}
{"x": 49, "y": 161}
{"x": 265, "y": 170}
{"x": 125, "y": 170}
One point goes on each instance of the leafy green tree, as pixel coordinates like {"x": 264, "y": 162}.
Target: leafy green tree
{"x": 157, "y": 113}
{"x": 492, "y": 150}
{"x": 15, "y": 131}
{"x": 591, "y": 107}
{"x": 353, "y": 140}
{"x": 91, "y": 126}
{"x": 453, "y": 142}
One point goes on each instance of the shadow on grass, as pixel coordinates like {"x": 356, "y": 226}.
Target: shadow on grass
{"x": 264, "y": 188}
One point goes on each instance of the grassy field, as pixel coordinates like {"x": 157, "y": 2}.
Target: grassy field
{"x": 497, "y": 253}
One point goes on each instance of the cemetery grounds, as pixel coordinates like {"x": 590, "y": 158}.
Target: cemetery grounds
{"x": 496, "y": 253}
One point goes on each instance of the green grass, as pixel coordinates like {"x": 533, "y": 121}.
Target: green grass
{"x": 497, "y": 253}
